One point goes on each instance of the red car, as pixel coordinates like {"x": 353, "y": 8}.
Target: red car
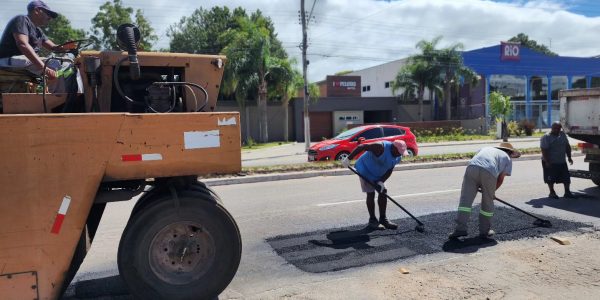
{"x": 340, "y": 146}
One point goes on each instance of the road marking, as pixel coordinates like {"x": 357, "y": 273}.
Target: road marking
{"x": 397, "y": 196}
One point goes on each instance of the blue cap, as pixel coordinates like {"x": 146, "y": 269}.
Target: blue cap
{"x": 40, "y": 4}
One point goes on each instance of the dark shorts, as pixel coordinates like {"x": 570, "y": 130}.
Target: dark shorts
{"x": 556, "y": 173}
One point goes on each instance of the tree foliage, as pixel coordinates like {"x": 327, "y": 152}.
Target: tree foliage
{"x": 431, "y": 69}
{"x": 59, "y": 30}
{"x": 524, "y": 40}
{"x": 110, "y": 17}
{"x": 256, "y": 58}
{"x": 200, "y": 32}
{"x": 500, "y": 107}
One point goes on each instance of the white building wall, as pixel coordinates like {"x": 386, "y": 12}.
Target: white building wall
{"x": 375, "y": 78}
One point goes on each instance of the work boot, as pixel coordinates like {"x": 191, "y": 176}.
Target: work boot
{"x": 387, "y": 224}
{"x": 569, "y": 195}
{"x": 553, "y": 195}
{"x": 373, "y": 224}
{"x": 458, "y": 233}
{"x": 487, "y": 235}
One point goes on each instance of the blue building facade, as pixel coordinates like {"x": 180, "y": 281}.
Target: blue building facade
{"x": 531, "y": 78}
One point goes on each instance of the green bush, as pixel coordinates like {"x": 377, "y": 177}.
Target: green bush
{"x": 514, "y": 129}
{"x": 527, "y": 126}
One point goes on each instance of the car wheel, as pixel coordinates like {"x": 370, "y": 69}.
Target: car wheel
{"x": 410, "y": 152}
{"x": 342, "y": 155}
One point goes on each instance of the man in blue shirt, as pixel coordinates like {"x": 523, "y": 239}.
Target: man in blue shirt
{"x": 23, "y": 38}
{"x": 376, "y": 165}
{"x": 486, "y": 171}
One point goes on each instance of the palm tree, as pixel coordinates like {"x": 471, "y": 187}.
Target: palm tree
{"x": 413, "y": 78}
{"x": 251, "y": 62}
{"x": 452, "y": 71}
{"x": 288, "y": 81}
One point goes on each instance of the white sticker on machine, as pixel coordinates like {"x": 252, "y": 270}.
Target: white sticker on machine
{"x": 226, "y": 122}
{"x": 202, "y": 139}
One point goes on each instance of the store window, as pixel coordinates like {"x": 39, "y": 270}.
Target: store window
{"x": 578, "y": 82}
{"x": 539, "y": 87}
{"x": 509, "y": 85}
{"x": 558, "y": 83}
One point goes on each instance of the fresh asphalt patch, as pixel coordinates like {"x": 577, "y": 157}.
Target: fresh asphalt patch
{"x": 355, "y": 246}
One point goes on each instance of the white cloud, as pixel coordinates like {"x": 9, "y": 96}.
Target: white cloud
{"x": 350, "y": 35}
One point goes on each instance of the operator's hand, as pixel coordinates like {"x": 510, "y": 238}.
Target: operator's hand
{"x": 345, "y": 162}
{"x": 570, "y": 161}
{"x": 51, "y": 73}
{"x": 381, "y": 187}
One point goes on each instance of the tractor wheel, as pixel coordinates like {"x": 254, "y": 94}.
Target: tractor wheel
{"x": 595, "y": 168}
{"x": 189, "y": 251}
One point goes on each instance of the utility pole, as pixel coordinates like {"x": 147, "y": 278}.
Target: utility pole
{"x": 304, "y": 65}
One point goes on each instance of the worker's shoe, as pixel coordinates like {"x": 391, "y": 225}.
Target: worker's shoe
{"x": 490, "y": 234}
{"x": 569, "y": 195}
{"x": 387, "y": 224}
{"x": 458, "y": 233}
{"x": 553, "y": 195}
{"x": 373, "y": 224}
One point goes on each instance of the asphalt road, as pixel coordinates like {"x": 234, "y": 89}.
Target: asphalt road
{"x": 316, "y": 209}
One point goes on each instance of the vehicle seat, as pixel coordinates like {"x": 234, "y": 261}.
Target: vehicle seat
{"x": 17, "y": 80}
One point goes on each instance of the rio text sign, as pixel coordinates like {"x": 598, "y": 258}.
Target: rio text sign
{"x": 510, "y": 51}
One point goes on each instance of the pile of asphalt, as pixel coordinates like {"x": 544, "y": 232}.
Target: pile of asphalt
{"x": 343, "y": 248}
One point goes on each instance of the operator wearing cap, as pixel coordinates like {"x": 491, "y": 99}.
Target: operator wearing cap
{"x": 23, "y": 38}
{"x": 377, "y": 165}
{"x": 485, "y": 172}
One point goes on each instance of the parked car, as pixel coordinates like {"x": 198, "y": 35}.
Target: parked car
{"x": 339, "y": 147}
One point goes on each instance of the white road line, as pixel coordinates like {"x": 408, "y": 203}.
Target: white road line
{"x": 397, "y": 196}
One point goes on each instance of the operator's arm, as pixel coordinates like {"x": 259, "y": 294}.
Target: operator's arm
{"x": 26, "y": 49}
{"x": 376, "y": 148}
{"x": 50, "y": 45}
{"x": 500, "y": 180}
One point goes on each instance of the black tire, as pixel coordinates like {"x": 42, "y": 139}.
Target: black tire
{"x": 411, "y": 152}
{"x": 595, "y": 168}
{"x": 153, "y": 257}
{"x": 341, "y": 155}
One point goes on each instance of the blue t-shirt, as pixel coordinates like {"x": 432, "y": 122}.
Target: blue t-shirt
{"x": 373, "y": 167}
{"x": 493, "y": 160}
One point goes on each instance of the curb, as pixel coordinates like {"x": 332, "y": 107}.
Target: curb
{"x": 343, "y": 172}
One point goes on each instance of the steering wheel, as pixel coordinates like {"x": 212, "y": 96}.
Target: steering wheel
{"x": 72, "y": 47}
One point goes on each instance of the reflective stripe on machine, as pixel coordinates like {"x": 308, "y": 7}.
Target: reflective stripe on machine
{"x": 60, "y": 216}
{"x": 141, "y": 157}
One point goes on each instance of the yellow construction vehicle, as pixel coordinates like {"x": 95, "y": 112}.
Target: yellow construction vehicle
{"x": 143, "y": 127}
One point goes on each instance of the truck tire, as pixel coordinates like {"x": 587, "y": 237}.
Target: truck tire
{"x": 190, "y": 251}
{"x": 595, "y": 168}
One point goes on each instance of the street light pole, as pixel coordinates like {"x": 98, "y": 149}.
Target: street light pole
{"x": 304, "y": 67}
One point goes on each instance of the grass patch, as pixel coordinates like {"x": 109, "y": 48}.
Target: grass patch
{"x": 256, "y": 146}
{"x": 330, "y": 165}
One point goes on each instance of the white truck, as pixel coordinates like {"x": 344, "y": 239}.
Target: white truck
{"x": 580, "y": 118}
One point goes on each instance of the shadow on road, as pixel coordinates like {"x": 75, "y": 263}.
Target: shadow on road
{"x": 355, "y": 239}
{"x": 468, "y": 245}
{"x": 586, "y": 203}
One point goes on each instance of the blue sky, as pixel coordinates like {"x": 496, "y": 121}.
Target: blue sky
{"x": 357, "y": 34}
{"x": 589, "y": 8}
